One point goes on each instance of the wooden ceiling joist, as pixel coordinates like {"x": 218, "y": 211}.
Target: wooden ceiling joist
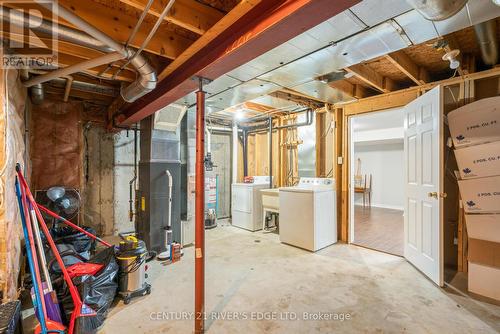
{"x": 99, "y": 98}
{"x": 299, "y": 98}
{"x": 248, "y": 30}
{"x": 405, "y": 64}
{"x": 188, "y": 14}
{"x": 353, "y": 90}
{"x": 62, "y": 47}
{"x": 64, "y": 60}
{"x": 118, "y": 25}
{"x": 372, "y": 78}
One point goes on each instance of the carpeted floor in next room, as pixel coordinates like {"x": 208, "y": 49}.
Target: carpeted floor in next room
{"x": 250, "y": 276}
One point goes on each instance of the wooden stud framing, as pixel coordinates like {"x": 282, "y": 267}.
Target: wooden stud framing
{"x": 118, "y": 25}
{"x": 339, "y": 165}
{"x": 296, "y": 97}
{"x": 320, "y": 144}
{"x": 188, "y": 14}
{"x": 403, "y": 62}
{"x": 380, "y": 102}
{"x": 234, "y": 15}
{"x": 356, "y": 91}
{"x": 372, "y": 78}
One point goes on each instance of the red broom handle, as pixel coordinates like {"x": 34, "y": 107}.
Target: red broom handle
{"x": 76, "y": 227}
{"x": 77, "y": 301}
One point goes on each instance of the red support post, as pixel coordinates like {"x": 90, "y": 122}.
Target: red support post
{"x": 199, "y": 216}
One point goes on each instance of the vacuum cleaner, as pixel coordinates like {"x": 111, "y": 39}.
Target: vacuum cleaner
{"x": 132, "y": 256}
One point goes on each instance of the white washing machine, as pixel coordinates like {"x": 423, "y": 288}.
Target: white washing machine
{"x": 246, "y": 203}
{"x": 308, "y": 217}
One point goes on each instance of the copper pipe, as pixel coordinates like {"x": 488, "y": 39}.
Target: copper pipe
{"x": 199, "y": 241}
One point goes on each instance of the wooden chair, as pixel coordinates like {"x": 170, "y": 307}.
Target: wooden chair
{"x": 365, "y": 188}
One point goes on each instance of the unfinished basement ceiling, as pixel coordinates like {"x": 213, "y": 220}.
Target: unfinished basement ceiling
{"x": 363, "y": 34}
{"x": 186, "y": 21}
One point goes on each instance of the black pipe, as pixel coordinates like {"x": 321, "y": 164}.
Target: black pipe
{"x": 270, "y": 152}
{"x": 254, "y": 128}
{"x": 268, "y": 126}
{"x": 132, "y": 182}
{"x": 296, "y": 125}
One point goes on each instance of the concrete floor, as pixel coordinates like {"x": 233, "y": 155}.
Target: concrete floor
{"x": 253, "y": 275}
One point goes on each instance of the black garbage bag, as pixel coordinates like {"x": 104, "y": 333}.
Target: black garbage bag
{"x": 96, "y": 291}
{"x": 69, "y": 256}
{"x": 80, "y": 241}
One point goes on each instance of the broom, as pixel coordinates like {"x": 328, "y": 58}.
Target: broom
{"x": 45, "y": 324}
{"x": 50, "y": 297}
{"x": 83, "y": 318}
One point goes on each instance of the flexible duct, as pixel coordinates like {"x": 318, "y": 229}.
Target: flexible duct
{"x": 37, "y": 94}
{"x": 487, "y": 40}
{"x": 145, "y": 82}
{"x": 437, "y": 10}
{"x": 86, "y": 87}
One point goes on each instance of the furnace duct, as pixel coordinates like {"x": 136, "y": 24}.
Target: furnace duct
{"x": 146, "y": 80}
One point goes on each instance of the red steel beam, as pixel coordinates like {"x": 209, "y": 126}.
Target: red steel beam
{"x": 199, "y": 215}
{"x": 266, "y": 26}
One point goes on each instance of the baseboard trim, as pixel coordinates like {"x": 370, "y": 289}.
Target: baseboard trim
{"x": 383, "y": 206}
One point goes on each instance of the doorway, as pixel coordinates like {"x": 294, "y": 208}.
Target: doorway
{"x": 377, "y": 181}
{"x": 422, "y": 166}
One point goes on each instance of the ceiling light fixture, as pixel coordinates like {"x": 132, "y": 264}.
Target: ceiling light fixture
{"x": 451, "y": 56}
{"x": 239, "y": 115}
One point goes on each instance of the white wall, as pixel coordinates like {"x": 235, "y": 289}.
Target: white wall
{"x": 385, "y": 163}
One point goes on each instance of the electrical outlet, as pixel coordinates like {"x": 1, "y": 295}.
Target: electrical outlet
{"x": 340, "y": 160}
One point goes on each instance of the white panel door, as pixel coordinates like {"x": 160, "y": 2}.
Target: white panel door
{"x": 422, "y": 219}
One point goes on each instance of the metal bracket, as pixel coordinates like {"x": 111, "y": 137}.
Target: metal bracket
{"x": 204, "y": 81}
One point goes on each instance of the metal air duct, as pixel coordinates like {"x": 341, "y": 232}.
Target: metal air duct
{"x": 487, "y": 40}
{"x": 146, "y": 80}
{"x": 437, "y": 10}
{"x": 37, "y": 94}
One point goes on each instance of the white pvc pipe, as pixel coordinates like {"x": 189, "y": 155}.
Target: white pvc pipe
{"x": 208, "y": 139}
{"x": 84, "y": 65}
{"x": 235, "y": 153}
{"x": 169, "y": 223}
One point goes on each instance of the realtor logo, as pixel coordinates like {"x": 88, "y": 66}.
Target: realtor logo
{"x": 471, "y": 203}
{"x": 466, "y": 171}
{"x": 29, "y": 34}
{"x": 460, "y": 137}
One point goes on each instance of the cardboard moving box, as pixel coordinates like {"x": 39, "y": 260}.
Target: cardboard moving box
{"x": 479, "y": 161}
{"x": 475, "y": 123}
{"x": 483, "y": 227}
{"x": 484, "y": 281}
{"x": 481, "y": 195}
{"x": 484, "y": 252}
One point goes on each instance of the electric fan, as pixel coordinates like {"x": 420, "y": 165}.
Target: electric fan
{"x": 63, "y": 201}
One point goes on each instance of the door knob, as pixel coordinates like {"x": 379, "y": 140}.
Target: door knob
{"x": 437, "y": 195}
